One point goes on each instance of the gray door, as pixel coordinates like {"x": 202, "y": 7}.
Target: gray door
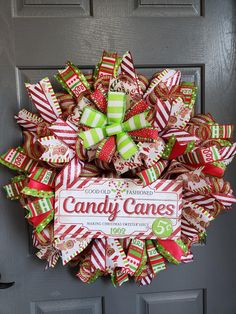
{"x": 36, "y": 38}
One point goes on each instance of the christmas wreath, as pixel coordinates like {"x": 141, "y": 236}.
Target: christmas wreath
{"x": 114, "y": 132}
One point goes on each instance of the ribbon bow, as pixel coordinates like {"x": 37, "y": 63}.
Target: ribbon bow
{"x": 164, "y": 93}
{"x": 105, "y": 126}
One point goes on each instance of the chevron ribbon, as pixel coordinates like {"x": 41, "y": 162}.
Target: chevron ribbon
{"x": 44, "y": 99}
{"x": 103, "y": 126}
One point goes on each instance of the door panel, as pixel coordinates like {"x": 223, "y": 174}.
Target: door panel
{"x": 190, "y": 301}
{"x": 37, "y": 37}
{"x": 70, "y": 306}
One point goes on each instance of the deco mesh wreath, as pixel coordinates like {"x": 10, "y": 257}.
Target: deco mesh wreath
{"x": 115, "y": 128}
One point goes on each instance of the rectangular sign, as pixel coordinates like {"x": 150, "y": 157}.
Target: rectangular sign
{"x": 119, "y": 208}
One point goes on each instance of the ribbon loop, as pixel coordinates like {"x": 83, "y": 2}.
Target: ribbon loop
{"x": 125, "y": 145}
{"x": 136, "y": 122}
{"x": 116, "y": 107}
{"x": 93, "y": 118}
{"x": 92, "y": 136}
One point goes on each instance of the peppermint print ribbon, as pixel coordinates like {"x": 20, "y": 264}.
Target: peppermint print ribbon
{"x": 104, "y": 126}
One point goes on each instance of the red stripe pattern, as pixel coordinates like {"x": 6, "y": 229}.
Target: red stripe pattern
{"x": 44, "y": 99}
{"x": 127, "y": 68}
{"x": 65, "y": 131}
{"x": 98, "y": 255}
{"x": 28, "y": 120}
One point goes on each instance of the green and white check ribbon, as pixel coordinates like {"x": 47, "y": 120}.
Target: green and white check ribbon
{"x": 103, "y": 126}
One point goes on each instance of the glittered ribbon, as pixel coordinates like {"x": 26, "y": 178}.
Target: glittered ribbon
{"x": 172, "y": 250}
{"x": 16, "y": 159}
{"x": 13, "y": 189}
{"x": 41, "y": 183}
{"x": 73, "y": 80}
{"x": 40, "y": 212}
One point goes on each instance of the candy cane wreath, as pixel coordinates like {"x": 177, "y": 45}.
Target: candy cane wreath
{"x": 116, "y": 123}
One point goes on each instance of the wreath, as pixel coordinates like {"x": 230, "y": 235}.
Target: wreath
{"x": 113, "y": 132}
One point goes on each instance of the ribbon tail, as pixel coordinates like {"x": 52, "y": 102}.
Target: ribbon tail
{"x": 92, "y": 136}
{"x": 125, "y": 145}
{"x": 136, "y": 122}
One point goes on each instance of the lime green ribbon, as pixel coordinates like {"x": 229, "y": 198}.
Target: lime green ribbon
{"x": 103, "y": 126}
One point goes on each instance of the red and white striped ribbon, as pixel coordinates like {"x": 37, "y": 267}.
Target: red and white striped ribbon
{"x": 98, "y": 255}
{"x": 65, "y": 131}
{"x": 44, "y": 99}
{"x": 127, "y": 68}
{"x": 28, "y": 120}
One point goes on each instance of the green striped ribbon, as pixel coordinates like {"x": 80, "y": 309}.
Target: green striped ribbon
{"x": 39, "y": 207}
{"x": 135, "y": 254}
{"x": 155, "y": 259}
{"x": 13, "y": 190}
{"x": 151, "y": 174}
{"x": 221, "y": 130}
{"x": 103, "y": 126}
{"x": 45, "y": 222}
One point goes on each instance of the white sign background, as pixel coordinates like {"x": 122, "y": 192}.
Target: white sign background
{"x": 124, "y": 195}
